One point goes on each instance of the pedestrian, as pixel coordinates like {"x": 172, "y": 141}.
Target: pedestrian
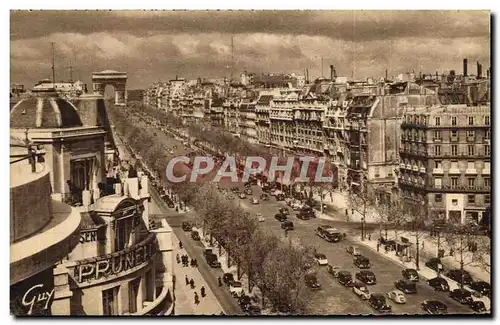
{"x": 286, "y": 232}
{"x": 180, "y": 245}
{"x": 378, "y": 247}
{"x": 423, "y": 244}
{"x": 202, "y": 290}
{"x": 451, "y": 252}
{"x": 191, "y": 262}
{"x": 187, "y": 280}
{"x": 195, "y": 263}
{"x": 386, "y": 249}
{"x": 196, "y": 298}
{"x": 178, "y": 258}
{"x": 191, "y": 283}
{"x": 344, "y": 235}
{"x": 352, "y": 211}
{"x": 219, "y": 280}
{"x": 369, "y": 236}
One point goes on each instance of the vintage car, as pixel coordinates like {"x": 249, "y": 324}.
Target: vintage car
{"x": 361, "y": 291}
{"x": 397, "y": 296}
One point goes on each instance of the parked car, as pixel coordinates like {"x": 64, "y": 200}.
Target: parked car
{"x": 463, "y": 296}
{"x": 236, "y": 288}
{"x": 284, "y": 211}
{"x": 248, "y": 191}
{"x": 260, "y": 217}
{"x": 303, "y": 216}
{"x": 367, "y": 277}
{"x": 457, "y": 276}
{"x": 253, "y": 310}
{"x": 228, "y": 278}
{"x": 406, "y": 286}
{"x": 397, "y": 296}
{"x": 280, "y": 197}
{"x": 312, "y": 281}
{"x": 244, "y": 301}
{"x": 195, "y": 235}
{"x": 410, "y": 274}
{"x": 254, "y": 200}
{"x": 333, "y": 270}
{"x": 482, "y": 287}
{"x": 212, "y": 260}
{"x": 187, "y": 226}
{"x": 287, "y": 224}
{"x": 272, "y": 192}
{"x": 242, "y": 196}
{"x": 345, "y": 278}
{"x": 478, "y": 306}
{"x": 280, "y": 217}
{"x": 353, "y": 250}
{"x": 434, "y": 307}
{"x": 235, "y": 189}
{"x": 361, "y": 291}
{"x": 362, "y": 262}
{"x": 321, "y": 259}
{"x": 378, "y": 302}
{"x": 439, "y": 284}
{"x": 329, "y": 233}
{"x": 264, "y": 197}
{"x": 435, "y": 264}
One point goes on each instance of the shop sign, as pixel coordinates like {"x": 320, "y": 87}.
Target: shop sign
{"x": 112, "y": 264}
{"x": 33, "y": 296}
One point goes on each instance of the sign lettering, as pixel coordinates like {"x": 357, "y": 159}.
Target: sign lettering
{"x": 36, "y": 295}
{"x": 88, "y": 236}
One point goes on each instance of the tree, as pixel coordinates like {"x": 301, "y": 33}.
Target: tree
{"x": 467, "y": 245}
{"x": 361, "y": 200}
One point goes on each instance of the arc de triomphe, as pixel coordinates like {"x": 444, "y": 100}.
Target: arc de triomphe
{"x": 114, "y": 78}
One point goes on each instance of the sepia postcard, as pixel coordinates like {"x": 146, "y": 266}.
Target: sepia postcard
{"x": 250, "y": 163}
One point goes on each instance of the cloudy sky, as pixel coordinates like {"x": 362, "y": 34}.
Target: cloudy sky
{"x": 157, "y": 45}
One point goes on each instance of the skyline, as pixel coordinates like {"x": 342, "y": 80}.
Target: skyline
{"x": 157, "y": 45}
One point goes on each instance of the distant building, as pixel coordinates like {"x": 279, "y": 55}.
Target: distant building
{"x": 136, "y": 95}
{"x": 69, "y": 90}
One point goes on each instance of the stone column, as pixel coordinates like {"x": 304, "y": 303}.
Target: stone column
{"x": 62, "y": 292}
{"x": 99, "y": 88}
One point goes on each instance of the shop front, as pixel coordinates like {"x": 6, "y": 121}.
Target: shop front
{"x": 33, "y": 296}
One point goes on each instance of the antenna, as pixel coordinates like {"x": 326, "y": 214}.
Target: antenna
{"x": 321, "y": 67}
{"x": 53, "y": 68}
{"x": 70, "y": 72}
{"x": 232, "y": 58}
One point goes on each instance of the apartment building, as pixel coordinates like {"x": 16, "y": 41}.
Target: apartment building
{"x": 446, "y": 161}
{"x": 281, "y": 117}
{"x": 248, "y": 119}
{"x": 232, "y": 115}
{"x": 309, "y": 115}
{"x": 262, "y": 122}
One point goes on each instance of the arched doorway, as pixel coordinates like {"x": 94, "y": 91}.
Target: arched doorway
{"x": 114, "y": 78}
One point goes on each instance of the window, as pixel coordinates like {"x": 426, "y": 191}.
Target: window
{"x": 150, "y": 286}
{"x": 487, "y": 149}
{"x": 471, "y": 165}
{"x": 110, "y": 301}
{"x": 471, "y": 198}
{"x": 437, "y": 182}
{"x": 487, "y": 135}
{"x": 377, "y": 171}
{"x": 471, "y": 120}
{"x": 471, "y": 181}
{"x": 437, "y": 135}
{"x": 454, "y": 164}
{"x": 454, "y": 150}
{"x": 454, "y": 202}
{"x": 438, "y": 197}
{"x": 470, "y": 150}
{"x": 470, "y": 133}
{"x": 133, "y": 291}
{"x": 437, "y": 150}
{"x": 124, "y": 228}
{"x": 487, "y": 199}
{"x": 453, "y": 120}
{"x": 437, "y": 164}
{"x": 454, "y": 133}
{"x": 486, "y": 165}
{"x": 487, "y": 120}
{"x": 454, "y": 181}
{"x": 486, "y": 181}
{"x": 438, "y": 120}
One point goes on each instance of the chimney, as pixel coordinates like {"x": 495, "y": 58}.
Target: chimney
{"x": 479, "y": 70}
{"x": 452, "y": 72}
{"x": 385, "y": 74}
{"x": 307, "y": 75}
{"x": 331, "y": 72}
{"x": 465, "y": 67}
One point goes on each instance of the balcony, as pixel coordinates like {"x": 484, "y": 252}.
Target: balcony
{"x": 437, "y": 139}
{"x": 415, "y": 168}
{"x": 422, "y": 170}
{"x": 471, "y": 171}
{"x": 471, "y": 138}
{"x": 437, "y": 171}
{"x": 454, "y": 171}
{"x": 485, "y": 171}
{"x": 402, "y": 166}
{"x": 454, "y": 139}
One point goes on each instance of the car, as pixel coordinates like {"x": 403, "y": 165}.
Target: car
{"x": 367, "y": 277}
{"x": 295, "y": 205}
{"x": 272, "y": 192}
{"x": 280, "y": 197}
{"x": 353, "y": 250}
{"x": 478, "y": 306}
{"x": 284, "y": 211}
{"x": 435, "y": 264}
{"x": 333, "y": 270}
{"x": 260, "y": 217}
{"x": 463, "y": 296}
{"x": 236, "y": 288}
{"x": 457, "y": 276}
{"x": 362, "y": 262}
{"x": 410, "y": 274}
{"x": 187, "y": 226}
{"x": 345, "y": 278}
{"x": 361, "y": 291}
{"x": 406, "y": 286}
{"x": 321, "y": 259}
{"x": 434, "y": 307}
{"x": 228, "y": 278}
{"x": 253, "y": 310}
{"x": 235, "y": 189}
{"x": 280, "y": 217}
{"x": 397, "y": 296}
{"x": 439, "y": 284}
{"x": 378, "y": 302}
{"x": 311, "y": 281}
{"x": 264, "y": 197}
{"x": 244, "y": 301}
{"x": 303, "y": 216}
{"x": 287, "y": 225}
{"x": 254, "y": 200}
{"x": 195, "y": 235}
{"x": 212, "y": 260}
{"x": 484, "y": 288}
{"x": 242, "y": 196}
{"x": 248, "y": 191}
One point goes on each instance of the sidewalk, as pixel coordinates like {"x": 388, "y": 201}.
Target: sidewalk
{"x": 184, "y": 295}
